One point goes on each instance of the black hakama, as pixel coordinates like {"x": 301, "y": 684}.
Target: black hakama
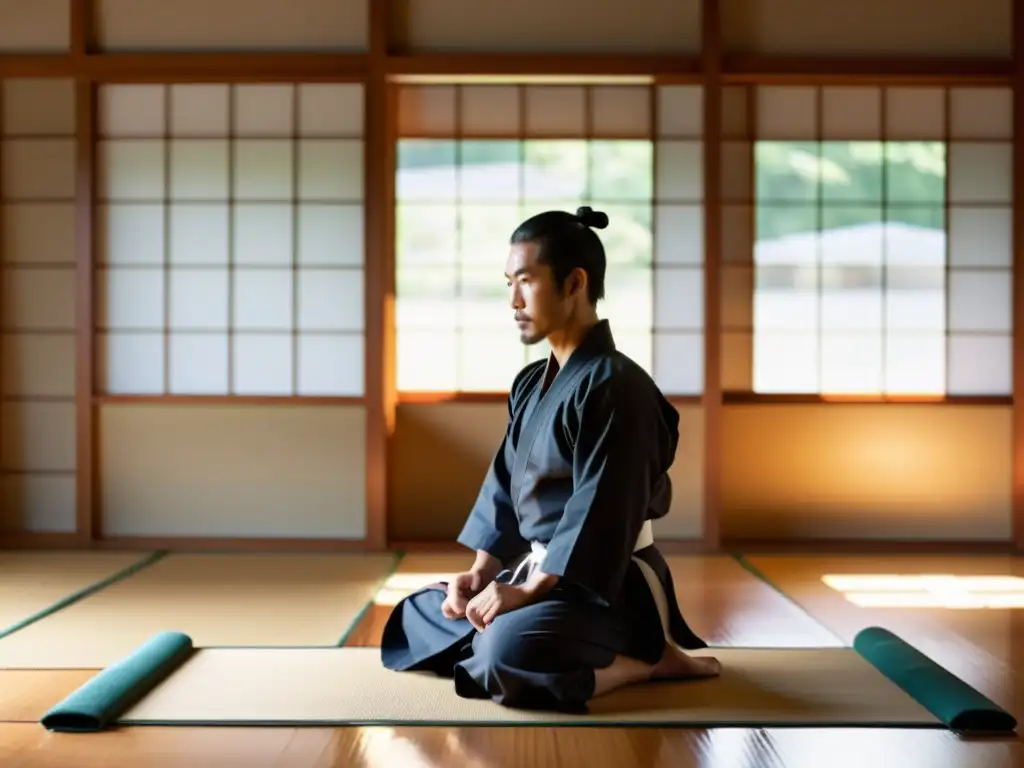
{"x": 582, "y": 470}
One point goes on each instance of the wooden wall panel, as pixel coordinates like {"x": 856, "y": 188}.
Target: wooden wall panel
{"x": 869, "y": 472}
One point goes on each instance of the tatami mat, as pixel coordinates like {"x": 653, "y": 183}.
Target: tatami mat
{"x": 32, "y": 582}
{"x": 759, "y": 687}
{"x": 218, "y": 599}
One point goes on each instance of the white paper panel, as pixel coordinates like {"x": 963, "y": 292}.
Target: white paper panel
{"x": 199, "y": 234}
{"x": 678, "y": 298}
{"x": 130, "y": 299}
{"x": 331, "y": 300}
{"x": 980, "y": 365}
{"x": 130, "y": 363}
{"x": 980, "y": 301}
{"x": 621, "y": 111}
{"x": 266, "y": 110}
{"x": 263, "y": 169}
{"x": 486, "y": 110}
{"x": 200, "y": 109}
{"x": 38, "y": 299}
{"x": 556, "y": 110}
{"x": 980, "y": 172}
{"x": 263, "y": 299}
{"x": 679, "y": 176}
{"x": 330, "y": 235}
{"x": 680, "y": 111}
{"x": 262, "y": 364}
{"x": 38, "y": 169}
{"x": 198, "y": 299}
{"x": 679, "y": 362}
{"x": 132, "y": 110}
{"x": 44, "y": 503}
{"x": 131, "y": 169}
{"x": 331, "y": 365}
{"x": 38, "y": 233}
{"x": 40, "y": 365}
{"x": 38, "y": 436}
{"x": 851, "y": 112}
{"x": 38, "y": 106}
{"x": 130, "y": 233}
{"x": 787, "y": 112}
{"x": 263, "y": 234}
{"x": 915, "y": 114}
{"x": 678, "y": 234}
{"x": 199, "y": 169}
{"x": 330, "y": 169}
{"x": 981, "y": 113}
{"x": 980, "y": 237}
{"x": 427, "y": 110}
{"x": 198, "y": 364}
{"x": 331, "y": 109}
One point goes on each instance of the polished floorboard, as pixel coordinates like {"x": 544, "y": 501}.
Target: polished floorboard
{"x": 724, "y": 602}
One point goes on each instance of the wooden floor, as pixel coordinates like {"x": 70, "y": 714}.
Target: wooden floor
{"x": 728, "y": 605}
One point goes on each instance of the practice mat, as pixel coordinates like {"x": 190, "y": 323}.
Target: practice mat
{"x": 217, "y": 599}
{"x": 882, "y": 683}
{"x": 35, "y": 583}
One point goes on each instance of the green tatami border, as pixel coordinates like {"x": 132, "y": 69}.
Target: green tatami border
{"x": 144, "y": 562}
{"x": 396, "y": 559}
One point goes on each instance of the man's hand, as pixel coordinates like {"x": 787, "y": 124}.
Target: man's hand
{"x": 461, "y": 590}
{"x": 495, "y": 600}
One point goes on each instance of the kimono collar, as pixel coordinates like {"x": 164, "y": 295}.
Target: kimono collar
{"x": 598, "y": 341}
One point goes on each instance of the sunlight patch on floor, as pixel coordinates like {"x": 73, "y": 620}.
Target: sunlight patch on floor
{"x": 402, "y": 585}
{"x": 929, "y": 590}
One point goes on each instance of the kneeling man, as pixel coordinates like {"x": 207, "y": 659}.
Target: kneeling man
{"x": 568, "y": 598}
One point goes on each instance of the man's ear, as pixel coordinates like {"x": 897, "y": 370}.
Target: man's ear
{"x": 577, "y": 281}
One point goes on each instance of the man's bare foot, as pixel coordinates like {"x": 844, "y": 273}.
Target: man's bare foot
{"x": 676, "y": 665}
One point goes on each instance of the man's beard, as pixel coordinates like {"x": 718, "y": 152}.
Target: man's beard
{"x": 528, "y": 338}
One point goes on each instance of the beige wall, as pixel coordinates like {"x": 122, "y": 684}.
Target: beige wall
{"x": 234, "y": 471}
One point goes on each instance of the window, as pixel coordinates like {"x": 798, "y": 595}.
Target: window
{"x": 474, "y": 161}
{"x": 37, "y": 193}
{"x": 881, "y": 258}
{"x": 230, "y": 256}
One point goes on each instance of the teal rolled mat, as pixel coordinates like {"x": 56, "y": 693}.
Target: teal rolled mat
{"x": 961, "y": 707}
{"x": 104, "y": 698}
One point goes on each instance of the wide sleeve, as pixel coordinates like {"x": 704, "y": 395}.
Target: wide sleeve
{"x": 492, "y": 525}
{"x": 616, "y": 460}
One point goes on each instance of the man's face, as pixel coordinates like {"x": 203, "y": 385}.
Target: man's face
{"x": 539, "y": 309}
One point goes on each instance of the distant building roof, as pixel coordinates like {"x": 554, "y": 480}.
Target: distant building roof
{"x": 900, "y": 243}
